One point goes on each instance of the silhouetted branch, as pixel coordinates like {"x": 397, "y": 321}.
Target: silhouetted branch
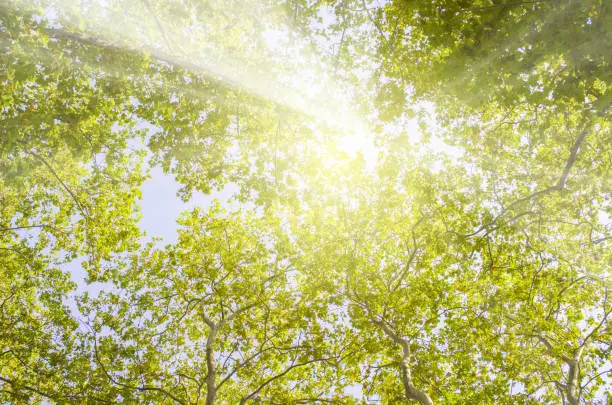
{"x": 557, "y": 187}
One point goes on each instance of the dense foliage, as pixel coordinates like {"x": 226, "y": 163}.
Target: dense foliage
{"x": 460, "y": 256}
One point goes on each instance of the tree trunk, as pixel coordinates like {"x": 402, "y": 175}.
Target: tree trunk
{"x": 573, "y": 397}
{"x": 211, "y": 366}
{"x": 411, "y": 391}
{"x": 570, "y": 387}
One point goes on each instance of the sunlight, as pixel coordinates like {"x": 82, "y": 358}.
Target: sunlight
{"x": 359, "y": 142}
{"x": 288, "y": 72}
{"x": 320, "y": 94}
{"x": 301, "y": 84}
{"x": 254, "y": 201}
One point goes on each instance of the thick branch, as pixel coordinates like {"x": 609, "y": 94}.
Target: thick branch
{"x": 557, "y": 187}
{"x": 572, "y": 159}
{"x": 570, "y": 388}
{"x": 550, "y": 349}
{"x": 572, "y": 379}
{"x": 411, "y": 391}
{"x": 211, "y": 366}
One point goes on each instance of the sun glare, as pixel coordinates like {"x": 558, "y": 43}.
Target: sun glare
{"x": 291, "y": 76}
{"x": 355, "y": 143}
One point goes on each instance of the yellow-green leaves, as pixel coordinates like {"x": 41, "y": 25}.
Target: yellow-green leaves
{"x": 448, "y": 244}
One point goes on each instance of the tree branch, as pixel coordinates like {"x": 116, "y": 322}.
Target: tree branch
{"x": 252, "y": 357}
{"x": 557, "y": 187}
{"x": 24, "y": 227}
{"x": 572, "y": 159}
{"x": 18, "y": 386}
{"x": 277, "y": 376}
{"x": 517, "y": 3}
{"x": 59, "y": 179}
{"x": 410, "y": 390}
{"x": 211, "y": 366}
{"x": 378, "y": 27}
{"x": 158, "y": 23}
{"x": 119, "y": 383}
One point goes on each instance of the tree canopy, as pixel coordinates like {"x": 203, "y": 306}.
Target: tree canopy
{"x": 422, "y": 211}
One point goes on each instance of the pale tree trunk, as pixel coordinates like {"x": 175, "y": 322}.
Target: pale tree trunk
{"x": 410, "y": 390}
{"x": 211, "y": 366}
{"x": 571, "y": 387}
{"x": 211, "y": 369}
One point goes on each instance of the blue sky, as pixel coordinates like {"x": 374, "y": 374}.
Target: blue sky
{"x": 161, "y": 207}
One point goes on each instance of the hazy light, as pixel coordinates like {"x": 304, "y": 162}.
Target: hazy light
{"x": 286, "y": 73}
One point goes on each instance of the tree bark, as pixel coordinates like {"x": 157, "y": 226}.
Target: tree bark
{"x": 571, "y": 388}
{"x": 211, "y": 376}
{"x": 409, "y": 389}
{"x": 211, "y": 366}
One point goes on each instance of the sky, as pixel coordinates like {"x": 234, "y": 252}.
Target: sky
{"x": 161, "y": 207}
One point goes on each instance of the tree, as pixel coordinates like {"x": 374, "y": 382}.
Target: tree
{"x": 213, "y": 318}
{"x": 418, "y": 278}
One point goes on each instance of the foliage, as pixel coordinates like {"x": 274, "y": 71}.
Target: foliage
{"x": 416, "y": 276}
